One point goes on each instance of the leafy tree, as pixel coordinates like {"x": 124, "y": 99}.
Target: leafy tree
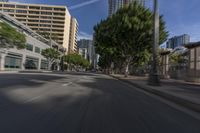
{"x": 176, "y": 59}
{"x": 51, "y": 55}
{"x": 76, "y": 60}
{"x": 10, "y": 37}
{"x": 128, "y": 35}
{"x": 85, "y": 63}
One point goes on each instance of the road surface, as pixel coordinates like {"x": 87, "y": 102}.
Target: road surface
{"x": 84, "y": 103}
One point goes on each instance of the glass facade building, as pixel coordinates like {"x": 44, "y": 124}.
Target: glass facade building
{"x": 178, "y": 41}
{"x": 13, "y": 61}
{"x": 85, "y": 48}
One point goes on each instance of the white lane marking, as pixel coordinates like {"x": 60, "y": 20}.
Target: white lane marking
{"x": 38, "y": 81}
{"x": 32, "y": 99}
{"x": 67, "y": 84}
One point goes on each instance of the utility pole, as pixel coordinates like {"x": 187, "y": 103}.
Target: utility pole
{"x": 154, "y": 75}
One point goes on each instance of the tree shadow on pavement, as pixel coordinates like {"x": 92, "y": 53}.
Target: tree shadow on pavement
{"x": 12, "y": 80}
{"x": 91, "y": 105}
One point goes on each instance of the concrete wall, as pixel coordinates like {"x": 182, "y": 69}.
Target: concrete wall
{"x": 194, "y": 65}
{"x": 23, "y": 53}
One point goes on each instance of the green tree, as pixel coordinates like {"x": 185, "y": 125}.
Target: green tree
{"x": 10, "y": 37}
{"x": 128, "y": 35}
{"x": 85, "y": 63}
{"x": 76, "y": 60}
{"x": 51, "y": 55}
{"x": 176, "y": 59}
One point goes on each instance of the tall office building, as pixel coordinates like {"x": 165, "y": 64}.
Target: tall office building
{"x": 85, "y": 49}
{"x": 114, "y": 5}
{"x": 48, "y": 20}
{"x": 73, "y": 36}
{"x": 178, "y": 41}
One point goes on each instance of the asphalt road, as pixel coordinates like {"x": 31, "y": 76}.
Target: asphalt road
{"x": 84, "y": 103}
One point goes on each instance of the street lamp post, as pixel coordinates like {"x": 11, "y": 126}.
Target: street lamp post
{"x": 154, "y": 76}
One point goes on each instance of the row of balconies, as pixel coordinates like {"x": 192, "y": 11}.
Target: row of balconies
{"x": 41, "y": 22}
{"x": 57, "y": 24}
{"x": 35, "y": 8}
{"x": 36, "y": 18}
{"x": 32, "y": 12}
{"x": 38, "y": 13}
{"x": 45, "y": 28}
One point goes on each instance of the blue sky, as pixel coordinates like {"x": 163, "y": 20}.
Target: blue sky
{"x": 181, "y": 16}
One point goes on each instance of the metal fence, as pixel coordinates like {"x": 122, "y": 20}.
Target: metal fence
{"x": 182, "y": 70}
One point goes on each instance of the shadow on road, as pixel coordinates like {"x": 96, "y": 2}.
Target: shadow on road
{"x": 12, "y": 80}
{"x": 91, "y": 105}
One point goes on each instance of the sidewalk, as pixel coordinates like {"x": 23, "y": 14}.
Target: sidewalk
{"x": 180, "y": 92}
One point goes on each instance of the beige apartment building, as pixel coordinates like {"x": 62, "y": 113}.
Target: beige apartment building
{"x": 73, "y": 36}
{"x": 48, "y": 20}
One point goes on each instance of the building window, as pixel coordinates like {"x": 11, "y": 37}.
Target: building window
{"x": 8, "y": 10}
{"x": 33, "y": 16}
{"x": 21, "y": 6}
{"x": 34, "y": 12}
{"x": 46, "y": 8}
{"x": 20, "y": 16}
{"x": 44, "y": 65}
{"x": 58, "y": 18}
{"x": 35, "y": 25}
{"x": 10, "y": 6}
{"x": 22, "y": 20}
{"x": 45, "y": 17}
{"x": 46, "y": 13}
{"x": 35, "y": 29}
{"x": 58, "y": 22}
{"x": 59, "y": 14}
{"x": 55, "y": 30}
{"x": 45, "y": 25}
{"x": 58, "y": 26}
{"x": 34, "y": 7}
{"x": 45, "y": 21}
{"x": 37, "y": 50}
{"x": 33, "y": 20}
{"x": 21, "y": 11}
{"x": 13, "y": 61}
{"x": 29, "y": 47}
{"x": 59, "y": 9}
{"x": 44, "y": 30}
{"x": 31, "y": 63}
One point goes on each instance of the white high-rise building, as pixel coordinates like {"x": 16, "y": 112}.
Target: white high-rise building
{"x": 114, "y": 5}
{"x": 51, "y": 21}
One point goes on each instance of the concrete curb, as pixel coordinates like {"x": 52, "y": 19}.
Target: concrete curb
{"x": 178, "y": 100}
{"x": 9, "y": 72}
{"x": 32, "y": 71}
